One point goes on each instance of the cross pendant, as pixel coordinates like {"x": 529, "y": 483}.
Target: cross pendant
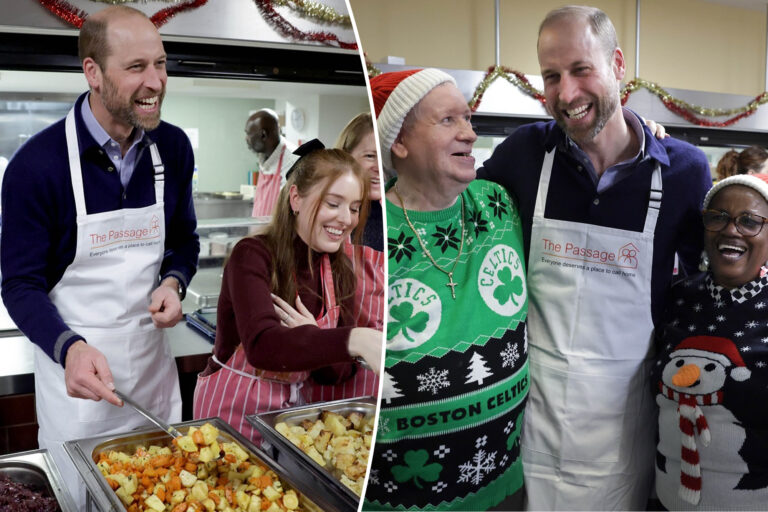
{"x": 452, "y": 285}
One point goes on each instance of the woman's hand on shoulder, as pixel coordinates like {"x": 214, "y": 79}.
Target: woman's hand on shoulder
{"x": 290, "y": 316}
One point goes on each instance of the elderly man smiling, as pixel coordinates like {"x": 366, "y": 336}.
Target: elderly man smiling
{"x": 456, "y": 371}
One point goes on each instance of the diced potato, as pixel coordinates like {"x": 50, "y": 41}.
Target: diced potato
{"x": 255, "y": 504}
{"x": 187, "y": 478}
{"x": 271, "y": 494}
{"x": 315, "y": 455}
{"x": 187, "y": 444}
{"x": 154, "y": 503}
{"x": 209, "y": 505}
{"x": 356, "y": 419}
{"x": 206, "y": 455}
{"x": 210, "y": 433}
{"x": 199, "y": 491}
{"x": 242, "y": 500}
{"x": 178, "y": 496}
{"x": 124, "y": 495}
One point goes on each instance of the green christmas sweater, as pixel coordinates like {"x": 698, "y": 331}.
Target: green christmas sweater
{"x": 456, "y": 370}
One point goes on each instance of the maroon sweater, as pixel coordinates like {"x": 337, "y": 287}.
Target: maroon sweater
{"x": 246, "y": 315}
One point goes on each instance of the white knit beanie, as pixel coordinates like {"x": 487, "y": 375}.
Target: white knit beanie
{"x": 747, "y": 180}
{"x": 394, "y": 95}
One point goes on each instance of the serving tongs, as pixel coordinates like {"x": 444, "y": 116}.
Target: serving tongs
{"x": 171, "y": 431}
{"x": 168, "y": 429}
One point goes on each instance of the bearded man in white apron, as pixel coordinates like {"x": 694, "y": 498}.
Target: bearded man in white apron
{"x": 262, "y": 134}
{"x": 605, "y": 207}
{"x": 99, "y": 240}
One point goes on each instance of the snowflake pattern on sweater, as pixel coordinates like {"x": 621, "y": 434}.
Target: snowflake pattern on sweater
{"x": 456, "y": 370}
{"x": 712, "y": 369}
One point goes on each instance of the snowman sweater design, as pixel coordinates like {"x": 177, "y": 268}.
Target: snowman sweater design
{"x": 710, "y": 378}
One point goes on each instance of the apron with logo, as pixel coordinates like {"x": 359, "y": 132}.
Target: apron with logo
{"x": 104, "y": 295}
{"x": 237, "y": 389}
{"x": 588, "y": 442}
{"x": 267, "y": 189}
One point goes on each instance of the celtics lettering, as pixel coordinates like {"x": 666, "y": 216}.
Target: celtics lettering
{"x": 414, "y": 314}
{"x": 501, "y": 280}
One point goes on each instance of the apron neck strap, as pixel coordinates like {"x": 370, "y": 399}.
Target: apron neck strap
{"x": 157, "y": 163}
{"x": 73, "y": 152}
{"x": 76, "y": 172}
{"x": 654, "y": 198}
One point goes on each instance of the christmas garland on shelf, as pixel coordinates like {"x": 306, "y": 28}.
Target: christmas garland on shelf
{"x": 694, "y": 114}
{"x": 316, "y": 10}
{"x": 76, "y": 17}
{"x": 291, "y": 32}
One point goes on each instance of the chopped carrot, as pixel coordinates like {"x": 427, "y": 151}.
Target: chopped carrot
{"x": 191, "y": 467}
{"x": 243, "y": 466}
{"x": 113, "y": 484}
{"x": 174, "y": 484}
{"x": 160, "y": 493}
{"x": 230, "y": 458}
{"x": 264, "y": 481}
{"x": 198, "y": 438}
{"x": 181, "y": 507}
{"x": 265, "y": 504}
{"x": 215, "y": 497}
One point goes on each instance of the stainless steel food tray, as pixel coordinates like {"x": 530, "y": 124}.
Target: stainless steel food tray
{"x": 85, "y": 452}
{"x": 37, "y": 470}
{"x": 291, "y": 457}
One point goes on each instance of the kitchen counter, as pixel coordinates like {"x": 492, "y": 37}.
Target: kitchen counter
{"x": 17, "y": 366}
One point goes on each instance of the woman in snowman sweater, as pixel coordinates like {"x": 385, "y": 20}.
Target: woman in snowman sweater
{"x": 712, "y": 369}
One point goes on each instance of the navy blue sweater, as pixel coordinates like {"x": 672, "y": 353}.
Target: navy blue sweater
{"x": 516, "y": 164}
{"x": 38, "y": 218}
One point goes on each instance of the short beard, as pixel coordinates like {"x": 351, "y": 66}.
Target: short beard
{"x": 604, "y": 108}
{"x": 124, "y": 111}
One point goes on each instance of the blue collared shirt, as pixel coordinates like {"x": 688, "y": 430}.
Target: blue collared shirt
{"x": 619, "y": 171}
{"x": 123, "y": 164}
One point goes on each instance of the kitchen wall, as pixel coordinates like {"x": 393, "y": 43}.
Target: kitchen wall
{"x": 221, "y": 155}
{"x": 684, "y": 44}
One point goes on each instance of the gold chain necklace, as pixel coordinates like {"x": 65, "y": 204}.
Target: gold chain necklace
{"x": 449, "y": 273}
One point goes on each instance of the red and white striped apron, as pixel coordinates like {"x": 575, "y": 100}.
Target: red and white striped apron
{"x": 368, "y": 311}
{"x": 238, "y": 389}
{"x": 267, "y": 189}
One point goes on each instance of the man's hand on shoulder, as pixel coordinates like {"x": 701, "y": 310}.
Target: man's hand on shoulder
{"x": 87, "y": 374}
{"x": 165, "y": 304}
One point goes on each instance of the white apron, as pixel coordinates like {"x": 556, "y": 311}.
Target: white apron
{"x": 104, "y": 295}
{"x": 588, "y": 442}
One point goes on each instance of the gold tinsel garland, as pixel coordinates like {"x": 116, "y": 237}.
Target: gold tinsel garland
{"x": 315, "y": 10}
{"x": 680, "y": 107}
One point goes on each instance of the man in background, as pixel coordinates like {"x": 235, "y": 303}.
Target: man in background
{"x": 262, "y": 134}
{"x": 604, "y": 207}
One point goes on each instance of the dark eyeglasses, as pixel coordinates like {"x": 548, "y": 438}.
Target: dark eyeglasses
{"x": 748, "y": 224}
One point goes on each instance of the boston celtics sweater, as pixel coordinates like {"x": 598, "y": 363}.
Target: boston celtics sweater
{"x": 456, "y": 370}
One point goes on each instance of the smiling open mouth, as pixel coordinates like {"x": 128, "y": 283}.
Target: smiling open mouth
{"x": 148, "y": 103}
{"x": 731, "y": 251}
{"x": 578, "y": 112}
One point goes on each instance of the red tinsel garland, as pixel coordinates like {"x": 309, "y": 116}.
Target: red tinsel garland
{"x": 160, "y": 18}
{"x": 65, "y": 11}
{"x": 76, "y": 17}
{"x": 289, "y": 31}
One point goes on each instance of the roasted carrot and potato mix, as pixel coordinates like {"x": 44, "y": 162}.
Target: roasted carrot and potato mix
{"x": 337, "y": 443}
{"x": 190, "y": 476}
